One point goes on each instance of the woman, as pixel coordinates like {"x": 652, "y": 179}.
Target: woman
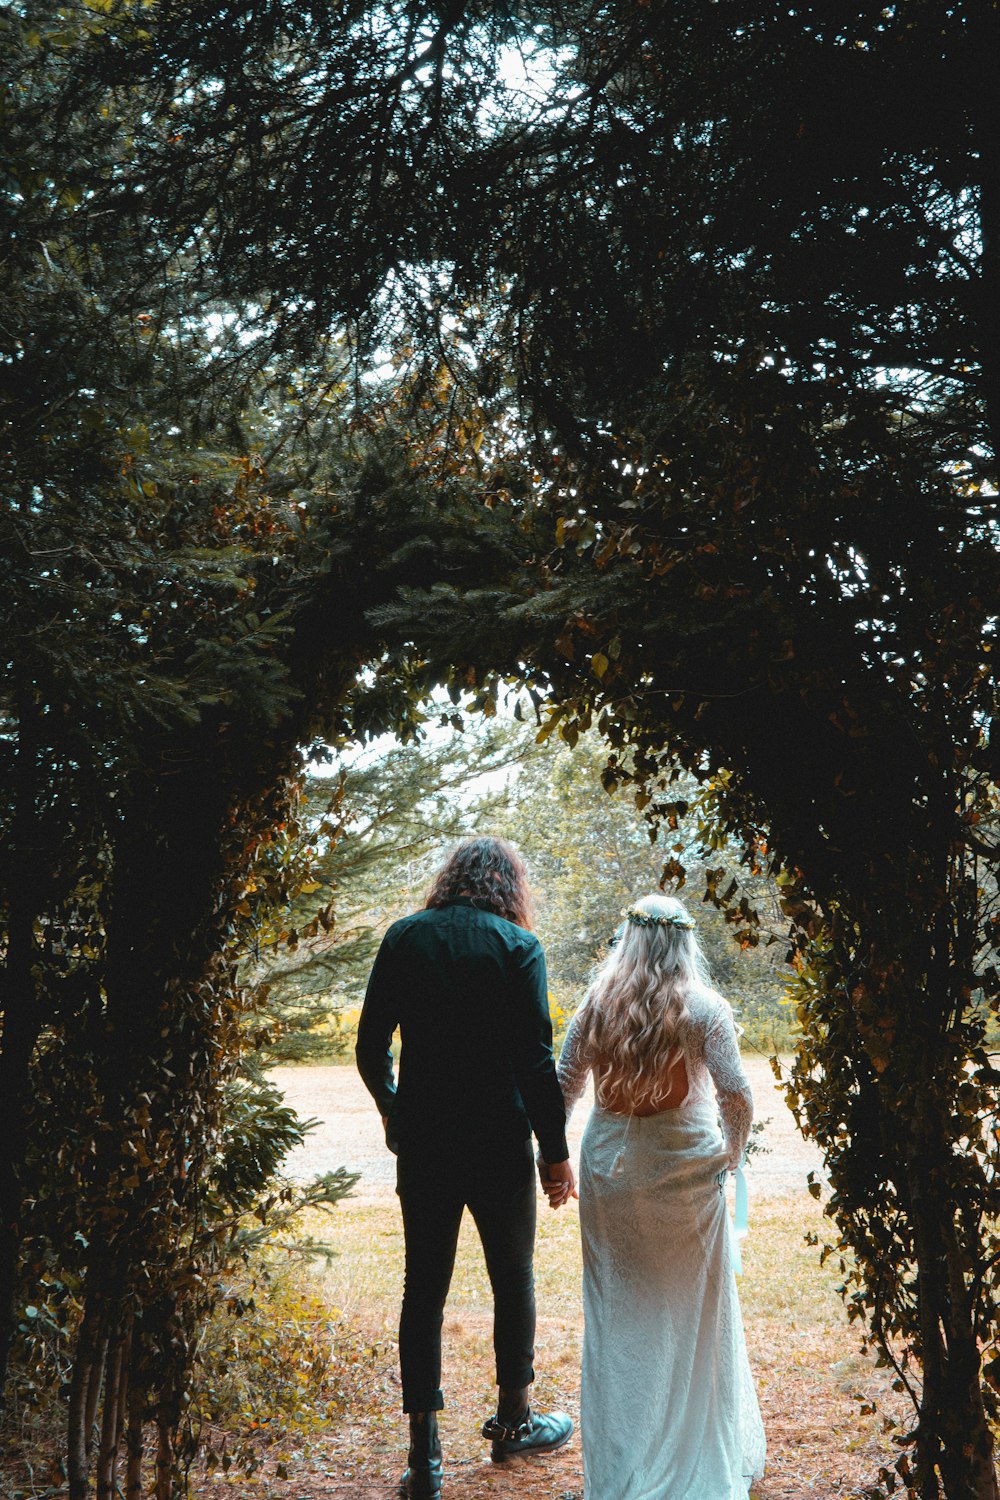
{"x": 668, "y": 1407}
{"x": 464, "y": 981}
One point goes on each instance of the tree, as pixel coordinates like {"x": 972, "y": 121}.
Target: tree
{"x": 368, "y": 837}
{"x": 755, "y": 285}
{"x": 591, "y": 853}
{"x": 734, "y": 271}
{"x": 185, "y": 582}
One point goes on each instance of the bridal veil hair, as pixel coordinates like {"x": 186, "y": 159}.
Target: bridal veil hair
{"x": 633, "y": 1014}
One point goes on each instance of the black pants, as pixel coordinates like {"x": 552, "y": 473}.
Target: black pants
{"x": 433, "y": 1192}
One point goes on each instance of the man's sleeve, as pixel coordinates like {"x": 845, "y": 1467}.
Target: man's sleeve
{"x": 379, "y": 1018}
{"x": 534, "y": 1068}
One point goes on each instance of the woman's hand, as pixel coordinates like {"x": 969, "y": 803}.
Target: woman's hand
{"x": 558, "y": 1182}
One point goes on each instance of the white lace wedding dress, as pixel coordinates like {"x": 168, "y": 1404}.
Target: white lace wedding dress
{"x": 668, "y": 1409}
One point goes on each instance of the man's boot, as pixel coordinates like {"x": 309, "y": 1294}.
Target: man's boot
{"x": 422, "y": 1480}
{"x": 517, "y": 1429}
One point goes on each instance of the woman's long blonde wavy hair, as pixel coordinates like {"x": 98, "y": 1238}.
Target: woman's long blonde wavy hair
{"x": 634, "y": 1012}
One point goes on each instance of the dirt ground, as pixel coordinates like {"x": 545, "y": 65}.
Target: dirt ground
{"x": 830, "y": 1415}
{"x": 811, "y": 1380}
{"x": 349, "y": 1133}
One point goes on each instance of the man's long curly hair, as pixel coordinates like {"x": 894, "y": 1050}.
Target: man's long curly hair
{"x": 492, "y": 874}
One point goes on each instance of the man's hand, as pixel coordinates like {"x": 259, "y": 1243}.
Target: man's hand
{"x": 558, "y": 1182}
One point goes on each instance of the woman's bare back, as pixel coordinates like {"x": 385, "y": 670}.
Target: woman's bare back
{"x": 621, "y": 1101}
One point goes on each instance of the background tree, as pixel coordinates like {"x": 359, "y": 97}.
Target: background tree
{"x": 755, "y": 286}
{"x": 591, "y": 853}
{"x": 738, "y": 267}
{"x": 186, "y": 574}
{"x": 370, "y": 834}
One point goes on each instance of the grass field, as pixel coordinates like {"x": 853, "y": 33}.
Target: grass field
{"x": 310, "y": 1379}
{"x": 816, "y": 1390}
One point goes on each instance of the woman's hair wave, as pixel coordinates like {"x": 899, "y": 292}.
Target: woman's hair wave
{"x": 491, "y": 873}
{"x": 634, "y": 1012}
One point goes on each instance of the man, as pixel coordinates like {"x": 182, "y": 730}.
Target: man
{"x": 464, "y": 981}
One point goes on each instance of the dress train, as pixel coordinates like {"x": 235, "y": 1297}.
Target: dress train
{"x": 668, "y": 1406}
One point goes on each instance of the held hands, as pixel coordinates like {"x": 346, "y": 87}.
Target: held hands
{"x": 558, "y": 1182}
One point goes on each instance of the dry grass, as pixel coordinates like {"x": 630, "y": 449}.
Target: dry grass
{"x": 816, "y": 1390}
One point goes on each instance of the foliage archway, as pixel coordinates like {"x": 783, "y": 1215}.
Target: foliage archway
{"x": 698, "y": 335}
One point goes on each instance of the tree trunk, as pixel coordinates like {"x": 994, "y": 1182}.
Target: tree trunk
{"x": 954, "y": 1444}
{"x": 20, "y": 1032}
{"x": 164, "y": 1458}
{"x": 88, "y": 1344}
{"x": 972, "y": 1439}
{"x": 94, "y": 1392}
{"x": 21, "y": 1016}
{"x": 124, "y": 1385}
{"x": 107, "y": 1459}
{"x": 136, "y": 1413}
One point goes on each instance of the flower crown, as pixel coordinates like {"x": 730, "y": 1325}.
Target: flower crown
{"x": 656, "y": 919}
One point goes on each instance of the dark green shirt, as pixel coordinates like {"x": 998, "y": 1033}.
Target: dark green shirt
{"x": 467, "y": 991}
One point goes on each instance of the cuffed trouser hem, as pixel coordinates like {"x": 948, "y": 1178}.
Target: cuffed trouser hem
{"x": 419, "y": 1402}
{"x": 516, "y": 1382}
{"x": 433, "y": 1195}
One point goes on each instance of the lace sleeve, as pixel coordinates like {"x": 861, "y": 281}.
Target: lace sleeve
{"x": 573, "y": 1066}
{"x": 722, "y": 1058}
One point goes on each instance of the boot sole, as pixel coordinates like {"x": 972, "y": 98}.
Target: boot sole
{"x": 505, "y": 1457}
